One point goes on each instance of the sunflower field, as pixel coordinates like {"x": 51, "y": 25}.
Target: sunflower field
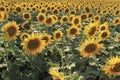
{"x": 59, "y": 39}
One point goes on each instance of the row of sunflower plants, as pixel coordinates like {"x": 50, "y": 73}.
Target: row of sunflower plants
{"x": 59, "y": 40}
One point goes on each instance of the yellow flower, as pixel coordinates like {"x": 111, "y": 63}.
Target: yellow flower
{"x": 46, "y": 38}
{"x": 41, "y": 18}
{"x": 90, "y": 47}
{"x": 72, "y": 31}
{"x": 55, "y": 74}
{"x": 103, "y": 26}
{"x": 1, "y": 16}
{"x": 24, "y": 35}
{"x": 112, "y": 67}
{"x": 76, "y": 21}
{"x": 33, "y": 44}
{"x": 10, "y": 30}
{"x": 91, "y": 30}
{"x": 116, "y": 21}
{"x": 49, "y": 21}
{"x": 57, "y": 35}
{"x": 26, "y": 16}
{"x": 104, "y": 35}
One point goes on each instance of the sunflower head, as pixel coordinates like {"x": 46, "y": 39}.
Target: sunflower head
{"x": 57, "y": 35}
{"x": 116, "y": 21}
{"x": 26, "y": 26}
{"x": 104, "y": 35}
{"x": 112, "y": 67}
{"x": 24, "y": 35}
{"x": 1, "y": 16}
{"x": 49, "y": 21}
{"x": 33, "y": 44}
{"x": 83, "y": 17}
{"x": 72, "y": 31}
{"x": 46, "y": 38}
{"x": 90, "y": 47}
{"x": 10, "y": 30}
{"x": 76, "y": 21}
{"x": 103, "y": 26}
{"x": 55, "y": 74}
{"x": 18, "y": 9}
{"x": 91, "y": 29}
{"x": 64, "y": 19}
{"x": 26, "y": 16}
{"x": 41, "y": 18}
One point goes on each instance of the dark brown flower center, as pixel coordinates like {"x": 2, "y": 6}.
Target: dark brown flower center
{"x": 91, "y": 48}
{"x": 48, "y": 20}
{"x": 43, "y": 10}
{"x": 83, "y": 17}
{"x": 73, "y": 31}
{"x": 76, "y": 21}
{"x": 65, "y": 19}
{"x": 116, "y": 21}
{"x": 103, "y": 28}
{"x": 11, "y": 31}
{"x": 41, "y": 17}
{"x": 92, "y": 31}
{"x": 57, "y": 35}
{"x": 104, "y": 34}
{"x": 55, "y": 11}
{"x": 87, "y": 9}
{"x": 116, "y": 67}
{"x": 45, "y": 38}
{"x": 26, "y": 16}
{"x": 96, "y": 18}
{"x": 33, "y": 44}
{"x": 18, "y": 9}
{"x": 26, "y": 26}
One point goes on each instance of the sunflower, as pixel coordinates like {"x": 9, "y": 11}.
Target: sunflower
{"x": 116, "y": 21}
{"x": 49, "y": 21}
{"x": 87, "y": 9}
{"x": 58, "y": 35}
{"x": 90, "y": 15}
{"x": 97, "y": 18}
{"x": 64, "y": 19}
{"x": 83, "y": 17}
{"x": 33, "y": 44}
{"x": 117, "y": 12}
{"x": 43, "y": 10}
{"x": 1, "y": 16}
{"x": 112, "y": 67}
{"x": 3, "y": 8}
{"x": 26, "y": 16}
{"x": 41, "y": 18}
{"x": 76, "y": 21}
{"x": 103, "y": 26}
{"x": 55, "y": 74}
{"x": 90, "y": 47}
{"x": 72, "y": 31}
{"x": 91, "y": 30}
{"x": 33, "y": 9}
{"x": 66, "y": 10}
{"x": 55, "y": 11}
{"x": 71, "y": 18}
{"x": 46, "y": 38}
{"x": 55, "y": 18}
{"x": 104, "y": 35}
{"x": 10, "y": 30}
{"x": 73, "y": 12}
{"x": 18, "y": 9}
{"x": 24, "y": 35}
{"x": 26, "y": 26}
